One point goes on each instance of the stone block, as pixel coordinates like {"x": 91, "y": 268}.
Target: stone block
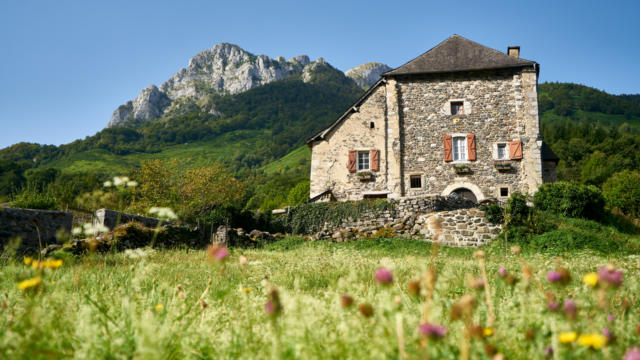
{"x": 36, "y": 228}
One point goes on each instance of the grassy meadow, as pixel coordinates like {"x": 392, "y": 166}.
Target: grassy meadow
{"x": 156, "y": 304}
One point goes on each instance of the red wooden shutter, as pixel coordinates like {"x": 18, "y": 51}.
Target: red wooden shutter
{"x": 515, "y": 150}
{"x": 351, "y": 165}
{"x": 471, "y": 146}
{"x": 375, "y": 160}
{"x": 448, "y": 155}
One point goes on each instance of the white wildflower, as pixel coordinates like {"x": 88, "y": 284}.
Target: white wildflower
{"x": 137, "y": 253}
{"x": 94, "y": 229}
{"x": 132, "y": 183}
{"x": 76, "y": 230}
{"x": 120, "y": 180}
{"x": 163, "y": 213}
{"x": 108, "y": 183}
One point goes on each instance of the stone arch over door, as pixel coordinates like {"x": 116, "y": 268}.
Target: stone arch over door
{"x": 464, "y": 185}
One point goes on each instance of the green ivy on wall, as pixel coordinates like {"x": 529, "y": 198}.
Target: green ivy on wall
{"x": 310, "y": 218}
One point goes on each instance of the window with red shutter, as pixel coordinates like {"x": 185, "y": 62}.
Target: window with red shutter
{"x": 515, "y": 150}
{"x": 351, "y": 165}
{"x": 448, "y": 156}
{"x": 375, "y": 160}
{"x": 471, "y": 147}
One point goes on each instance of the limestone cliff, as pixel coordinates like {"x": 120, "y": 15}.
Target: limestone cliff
{"x": 227, "y": 69}
{"x": 367, "y": 74}
{"x": 223, "y": 69}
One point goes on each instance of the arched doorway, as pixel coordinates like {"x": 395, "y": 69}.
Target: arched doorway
{"x": 459, "y": 186}
{"x": 465, "y": 193}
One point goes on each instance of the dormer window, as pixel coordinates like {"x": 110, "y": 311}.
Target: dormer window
{"x": 457, "y": 108}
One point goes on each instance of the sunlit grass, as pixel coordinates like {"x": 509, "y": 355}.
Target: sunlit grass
{"x": 177, "y": 304}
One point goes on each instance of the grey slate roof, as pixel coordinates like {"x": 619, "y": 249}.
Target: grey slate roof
{"x": 459, "y": 54}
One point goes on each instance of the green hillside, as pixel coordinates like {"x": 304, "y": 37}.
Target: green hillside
{"x": 256, "y": 127}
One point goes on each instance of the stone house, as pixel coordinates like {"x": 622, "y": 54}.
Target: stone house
{"x": 459, "y": 119}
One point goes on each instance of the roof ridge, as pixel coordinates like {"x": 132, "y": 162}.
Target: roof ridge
{"x": 457, "y": 53}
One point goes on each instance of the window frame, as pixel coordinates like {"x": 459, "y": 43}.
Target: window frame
{"x": 411, "y": 178}
{"x": 358, "y": 161}
{"x": 464, "y": 153}
{"x": 456, "y": 104}
{"x": 496, "y": 154}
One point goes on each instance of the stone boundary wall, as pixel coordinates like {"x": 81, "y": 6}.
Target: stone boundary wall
{"x": 111, "y": 218}
{"x": 449, "y": 220}
{"x": 35, "y": 228}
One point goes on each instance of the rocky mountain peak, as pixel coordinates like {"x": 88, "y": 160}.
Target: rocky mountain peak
{"x": 225, "y": 69}
{"x": 367, "y": 74}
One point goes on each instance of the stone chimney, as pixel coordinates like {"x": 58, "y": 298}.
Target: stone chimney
{"x": 513, "y": 51}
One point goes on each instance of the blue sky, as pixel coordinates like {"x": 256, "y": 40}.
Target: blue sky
{"x": 66, "y": 65}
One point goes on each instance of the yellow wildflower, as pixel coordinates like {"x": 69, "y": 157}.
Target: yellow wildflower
{"x": 487, "y": 332}
{"x": 27, "y": 260}
{"x": 246, "y": 290}
{"x": 29, "y": 283}
{"x": 159, "y": 307}
{"x": 590, "y": 279}
{"x": 53, "y": 263}
{"x": 567, "y": 337}
{"x": 594, "y": 341}
{"x": 48, "y": 263}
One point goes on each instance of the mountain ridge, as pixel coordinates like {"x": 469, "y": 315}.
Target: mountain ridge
{"x": 224, "y": 69}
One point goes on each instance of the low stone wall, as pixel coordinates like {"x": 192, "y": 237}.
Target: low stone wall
{"x": 465, "y": 227}
{"x": 35, "y": 228}
{"x": 112, "y": 218}
{"x": 449, "y": 220}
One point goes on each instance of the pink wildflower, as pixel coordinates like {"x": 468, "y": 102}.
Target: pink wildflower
{"x": 383, "y": 276}
{"x": 432, "y": 331}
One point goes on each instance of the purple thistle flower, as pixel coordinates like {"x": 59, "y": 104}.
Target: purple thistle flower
{"x": 270, "y": 307}
{"x": 383, "y": 276}
{"x": 570, "y": 308}
{"x": 608, "y": 334}
{"x": 548, "y": 351}
{"x": 610, "y": 318}
{"x": 610, "y": 275}
{"x": 553, "y": 306}
{"x": 632, "y": 354}
{"x": 554, "y": 276}
{"x": 221, "y": 254}
{"x": 502, "y": 272}
{"x": 432, "y": 330}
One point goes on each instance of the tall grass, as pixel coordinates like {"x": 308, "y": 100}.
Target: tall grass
{"x": 175, "y": 304}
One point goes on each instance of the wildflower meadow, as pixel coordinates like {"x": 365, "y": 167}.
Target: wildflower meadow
{"x": 371, "y": 299}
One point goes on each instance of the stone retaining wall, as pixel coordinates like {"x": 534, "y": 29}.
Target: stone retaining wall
{"x": 111, "y": 218}
{"x": 449, "y": 220}
{"x": 35, "y": 228}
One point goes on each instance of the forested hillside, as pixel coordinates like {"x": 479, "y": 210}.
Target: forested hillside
{"x": 595, "y": 134}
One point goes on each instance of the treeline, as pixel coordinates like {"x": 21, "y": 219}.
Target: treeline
{"x": 290, "y": 110}
{"x": 594, "y": 134}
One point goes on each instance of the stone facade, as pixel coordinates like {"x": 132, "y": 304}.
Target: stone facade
{"x": 407, "y": 116}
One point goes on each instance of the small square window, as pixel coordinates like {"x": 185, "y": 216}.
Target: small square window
{"x": 457, "y": 108}
{"x": 363, "y": 161}
{"x": 416, "y": 181}
{"x": 372, "y": 125}
{"x": 504, "y": 192}
{"x": 501, "y": 151}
